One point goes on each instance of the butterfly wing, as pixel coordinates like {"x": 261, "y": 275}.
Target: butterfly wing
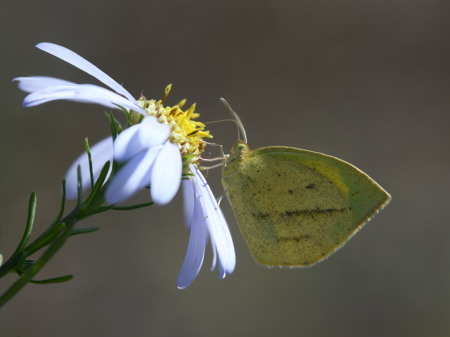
{"x": 296, "y": 207}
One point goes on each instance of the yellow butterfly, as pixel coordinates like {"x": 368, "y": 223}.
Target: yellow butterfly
{"x": 296, "y": 207}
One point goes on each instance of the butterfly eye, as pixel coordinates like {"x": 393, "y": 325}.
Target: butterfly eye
{"x": 240, "y": 147}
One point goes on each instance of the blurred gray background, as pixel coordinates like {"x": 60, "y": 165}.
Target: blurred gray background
{"x": 366, "y": 81}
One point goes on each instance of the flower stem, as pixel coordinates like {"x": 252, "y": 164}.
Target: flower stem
{"x": 54, "y": 237}
{"x": 67, "y": 223}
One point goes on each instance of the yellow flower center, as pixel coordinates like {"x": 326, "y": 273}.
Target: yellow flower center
{"x": 187, "y": 133}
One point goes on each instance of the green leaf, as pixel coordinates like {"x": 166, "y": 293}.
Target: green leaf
{"x": 79, "y": 186}
{"x": 131, "y": 207}
{"x": 102, "y": 209}
{"x": 60, "y": 279}
{"x": 63, "y": 203}
{"x": 45, "y": 238}
{"x": 115, "y": 126}
{"x": 29, "y": 226}
{"x": 84, "y": 230}
{"x": 98, "y": 184}
{"x": 88, "y": 151}
{"x": 37, "y": 266}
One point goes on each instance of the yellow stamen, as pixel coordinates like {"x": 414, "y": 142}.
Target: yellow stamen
{"x": 187, "y": 133}
{"x": 166, "y": 92}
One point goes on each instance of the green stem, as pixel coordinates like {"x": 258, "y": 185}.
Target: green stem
{"x": 68, "y": 223}
{"x": 54, "y": 236}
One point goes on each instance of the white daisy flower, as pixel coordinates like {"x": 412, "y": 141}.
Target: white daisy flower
{"x": 163, "y": 144}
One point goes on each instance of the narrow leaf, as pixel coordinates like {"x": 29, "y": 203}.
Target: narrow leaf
{"x": 88, "y": 151}
{"x": 101, "y": 209}
{"x": 63, "y": 203}
{"x": 79, "y": 185}
{"x": 114, "y": 125}
{"x": 99, "y": 183}
{"x": 45, "y": 239}
{"x": 84, "y": 230}
{"x": 29, "y": 225}
{"x": 131, "y": 207}
{"x": 60, "y": 279}
{"x": 36, "y": 267}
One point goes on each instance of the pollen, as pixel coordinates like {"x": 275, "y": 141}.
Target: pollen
{"x": 186, "y": 132}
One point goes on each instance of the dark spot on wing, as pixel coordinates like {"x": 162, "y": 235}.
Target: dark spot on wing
{"x": 260, "y": 215}
{"x": 297, "y": 239}
{"x": 310, "y": 186}
{"x": 290, "y": 191}
{"x": 313, "y": 212}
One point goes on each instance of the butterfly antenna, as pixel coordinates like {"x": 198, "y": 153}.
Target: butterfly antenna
{"x": 238, "y": 120}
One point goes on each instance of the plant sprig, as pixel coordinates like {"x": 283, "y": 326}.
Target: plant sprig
{"x": 63, "y": 227}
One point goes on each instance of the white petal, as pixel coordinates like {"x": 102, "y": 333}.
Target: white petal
{"x": 214, "y": 260}
{"x": 85, "y": 93}
{"x": 187, "y": 187}
{"x": 83, "y": 64}
{"x": 139, "y": 137}
{"x": 100, "y": 154}
{"x": 132, "y": 177}
{"x": 127, "y": 144}
{"x": 166, "y": 174}
{"x": 195, "y": 251}
{"x": 51, "y": 94}
{"x": 206, "y": 213}
{"x": 153, "y": 132}
{"x": 221, "y": 236}
{"x": 35, "y": 83}
{"x": 217, "y": 225}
